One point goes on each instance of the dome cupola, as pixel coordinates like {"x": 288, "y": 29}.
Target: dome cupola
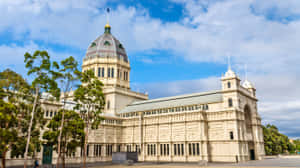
{"x": 107, "y": 57}
{"x": 106, "y": 46}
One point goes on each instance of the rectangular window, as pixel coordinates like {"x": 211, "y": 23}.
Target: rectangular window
{"x": 164, "y": 153}
{"x": 87, "y": 150}
{"x": 190, "y": 149}
{"x": 231, "y": 135}
{"x": 182, "y": 149}
{"x": 161, "y": 149}
{"x": 168, "y": 149}
{"x": 102, "y": 72}
{"x": 112, "y": 72}
{"x": 194, "y": 149}
{"x": 175, "y": 151}
{"x": 178, "y": 148}
{"x": 148, "y": 149}
{"x": 119, "y": 148}
{"x": 118, "y": 73}
{"x": 154, "y": 149}
{"x": 198, "y": 149}
{"x": 124, "y": 75}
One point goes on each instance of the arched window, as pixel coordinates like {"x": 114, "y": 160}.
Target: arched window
{"x": 47, "y": 113}
{"x": 51, "y": 113}
{"x": 99, "y": 72}
{"x": 230, "y": 102}
{"x": 112, "y": 72}
{"x": 228, "y": 85}
{"x": 107, "y": 43}
{"x": 108, "y": 72}
{"x": 102, "y": 72}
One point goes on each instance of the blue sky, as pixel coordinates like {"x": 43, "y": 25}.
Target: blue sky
{"x": 174, "y": 46}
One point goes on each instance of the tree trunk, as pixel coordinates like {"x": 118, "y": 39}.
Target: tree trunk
{"x": 60, "y": 133}
{"x": 85, "y": 144}
{"x": 3, "y": 159}
{"x": 30, "y": 125}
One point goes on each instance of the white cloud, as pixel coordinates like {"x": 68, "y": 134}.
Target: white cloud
{"x": 208, "y": 31}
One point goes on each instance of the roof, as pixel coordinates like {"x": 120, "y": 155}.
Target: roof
{"x": 106, "y": 46}
{"x": 175, "y": 101}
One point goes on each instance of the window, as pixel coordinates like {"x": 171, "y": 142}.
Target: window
{"x": 55, "y": 113}
{"x": 228, "y": 85}
{"x": 119, "y": 148}
{"x": 112, "y": 72}
{"x": 102, "y": 72}
{"x": 231, "y": 135}
{"x": 182, "y": 149}
{"x": 194, "y": 149}
{"x": 87, "y": 150}
{"x": 51, "y": 113}
{"x": 205, "y": 107}
{"x": 108, "y": 72}
{"x": 108, "y": 104}
{"x": 230, "y": 102}
{"x": 99, "y": 72}
{"x": 175, "y": 150}
{"x": 118, "y": 73}
{"x": 97, "y": 150}
{"x": 107, "y": 43}
{"x": 47, "y": 113}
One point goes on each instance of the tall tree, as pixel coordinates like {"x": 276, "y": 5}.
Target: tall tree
{"x": 72, "y": 133}
{"x": 45, "y": 73}
{"x": 17, "y": 93}
{"x": 68, "y": 74}
{"x": 90, "y": 103}
{"x": 8, "y": 125}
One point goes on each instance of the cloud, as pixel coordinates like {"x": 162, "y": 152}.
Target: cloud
{"x": 265, "y": 35}
{"x": 13, "y": 56}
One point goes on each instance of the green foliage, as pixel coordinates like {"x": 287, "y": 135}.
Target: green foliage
{"x": 16, "y": 104}
{"x": 90, "y": 98}
{"x": 72, "y": 132}
{"x": 90, "y": 103}
{"x": 44, "y": 72}
{"x": 275, "y": 142}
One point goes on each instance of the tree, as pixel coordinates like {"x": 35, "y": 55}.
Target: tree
{"x": 72, "y": 133}
{"x": 68, "y": 74}
{"x": 17, "y": 94}
{"x": 8, "y": 125}
{"x": 40, "y": 66}
{"x": 90, "y": 103}
{"x": 275, "y": 142}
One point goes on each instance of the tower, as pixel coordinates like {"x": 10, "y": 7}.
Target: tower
{"x": 107, "y": 57}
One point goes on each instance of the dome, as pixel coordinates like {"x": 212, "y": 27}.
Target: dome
{"x": 106, "y": 46}
{"x": 230, "y": 73}
{"x": 247, "y": 84}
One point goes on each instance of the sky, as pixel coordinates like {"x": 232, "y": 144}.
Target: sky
{"x": 174, "y": 46}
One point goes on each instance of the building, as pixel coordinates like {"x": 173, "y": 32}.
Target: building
{"x": 217, "y": 126}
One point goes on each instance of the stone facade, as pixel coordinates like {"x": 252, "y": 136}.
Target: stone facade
{"x": 217, "y": 126}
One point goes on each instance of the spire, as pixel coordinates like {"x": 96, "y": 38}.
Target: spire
{"x": 107, "y": 26}
{"x": 229, "y": 72}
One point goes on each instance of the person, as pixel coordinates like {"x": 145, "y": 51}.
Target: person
{"x": 36, "y": 164}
